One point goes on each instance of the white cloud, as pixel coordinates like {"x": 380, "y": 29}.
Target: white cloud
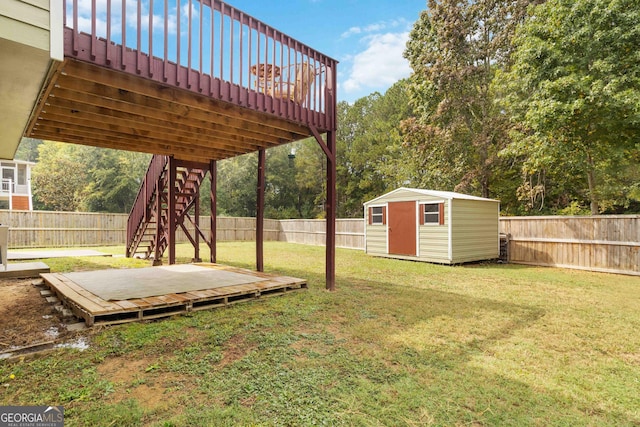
{"x": 379, "y": 65}
{"x": 373, "y": 28}
{"x": 351, "y": 31}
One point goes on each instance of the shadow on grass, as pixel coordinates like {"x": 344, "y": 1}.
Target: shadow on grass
{"x": 444, "y": 352}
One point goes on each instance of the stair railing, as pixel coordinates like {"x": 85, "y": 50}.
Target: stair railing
{"x": 140, "y": 208}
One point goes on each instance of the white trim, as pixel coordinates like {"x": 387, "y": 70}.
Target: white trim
{"x": 366, "y": 224}
{"x": 56, "y": 30}
{"x": 448, "y": 195}
{"x": 417, "y": 229}
{"x": 431, "y": 202}
{"x": 450, "y": 229}
{"x": 385, "y": 214}
{"x": 386, "y": 227}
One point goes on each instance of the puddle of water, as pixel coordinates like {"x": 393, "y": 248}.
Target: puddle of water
{"x": 52, "y": 333}
{"x": 79, "y": 344}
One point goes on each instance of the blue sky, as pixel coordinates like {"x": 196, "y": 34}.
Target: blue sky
{"x": 366, "y": 36}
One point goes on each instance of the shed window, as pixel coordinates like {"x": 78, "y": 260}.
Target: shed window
{"x": 432, "y": 213}
{"x": 377, "y": 215}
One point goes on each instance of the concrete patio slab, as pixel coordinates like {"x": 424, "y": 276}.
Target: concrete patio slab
{"x": 58, "y": 253}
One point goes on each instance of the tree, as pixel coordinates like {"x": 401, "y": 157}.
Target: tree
{"x": 237, "y": 186}
{"x": 71, "y": 177}
{"x": 28, "y": 149}
{"x": 369, "y": 147}
{"x": 114, "y": 179}
{"x": 59, "y": 177}
{"x": 455, "y": 49}
{"x": 574, "y": 90}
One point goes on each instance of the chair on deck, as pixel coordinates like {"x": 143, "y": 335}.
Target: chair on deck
{"x": 297, "y": 91}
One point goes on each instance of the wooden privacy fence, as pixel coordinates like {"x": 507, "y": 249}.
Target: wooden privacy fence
{"x": 37, "y": 229}
{"x": 607, "y": 243}
{"x": 59, "y": 229}
{"x": 349, "y": 232}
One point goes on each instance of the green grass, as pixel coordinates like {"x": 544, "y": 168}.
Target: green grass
{"x": 399, "y": 343}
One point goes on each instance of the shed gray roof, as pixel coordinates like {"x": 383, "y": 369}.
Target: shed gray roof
{"x": 448, "y": 195}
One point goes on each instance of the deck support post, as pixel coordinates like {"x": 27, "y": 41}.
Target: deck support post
{"x": 157, "y": 257}
{"x": 329, "y": 148}
{"x": 262, "y": 159}
{"x": 213, "y": 219}
{"x": 196, "y": 237}
{"x": 331, "y": 213}
{"x": 172, "y": 211}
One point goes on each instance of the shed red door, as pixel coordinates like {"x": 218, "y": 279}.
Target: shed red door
{"x": 402, "y": 228}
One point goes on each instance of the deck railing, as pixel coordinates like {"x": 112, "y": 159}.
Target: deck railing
{"x": 6, "y": 190}
{"x": 208, "y": 47}
{"x": 7, "y": 186}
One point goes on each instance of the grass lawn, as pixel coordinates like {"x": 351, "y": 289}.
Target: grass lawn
{"x": 398, "y": 344}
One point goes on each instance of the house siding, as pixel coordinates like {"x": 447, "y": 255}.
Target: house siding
{"x": 20, "y": 203}
{"x": 26, "y": 22}
{"x": 475, "y": 234}
{"x": 376, "y": 241}
{"x": 434, "y": 238}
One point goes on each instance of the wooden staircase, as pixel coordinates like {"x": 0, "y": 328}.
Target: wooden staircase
{"x": 148, "y": 227}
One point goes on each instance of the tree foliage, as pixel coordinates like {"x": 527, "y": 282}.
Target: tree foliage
{"x": 455, "y": 49}
{"x": 59, "y": 177}
{"x": 369, "y": 147}
{"x": 536, "y": 104}
{"x": 72, "y": 177}
{"x": 574, "y": 91}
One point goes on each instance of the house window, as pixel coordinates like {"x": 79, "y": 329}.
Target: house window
{"x": 377, "y": 215}
{"x": 22, "y": 175}
{"x": 432, "y": 213}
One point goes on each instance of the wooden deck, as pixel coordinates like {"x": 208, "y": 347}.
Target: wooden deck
{"x": 98, "y": 311}
{"x": 152, "y": 90}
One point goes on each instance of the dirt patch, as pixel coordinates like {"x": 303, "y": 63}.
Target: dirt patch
{"x": 123, "y": 370}
{"x": 235, "y": 349}
{"x": 27, "y": 317}
{"x": 134, "y": 379}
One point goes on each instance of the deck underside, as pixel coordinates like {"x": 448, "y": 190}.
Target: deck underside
{"x": 162, "y": 291}
{"x": 91, "y": 105}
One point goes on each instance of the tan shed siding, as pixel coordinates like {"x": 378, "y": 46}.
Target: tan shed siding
{"x": 434, "y": 243}
{"x": 475, "y": 230}
{"x": 434, "y": 238}
{"x": 398, "y": 196}
{"x": 26, "y": 22}
{"x": 376, "y": 239}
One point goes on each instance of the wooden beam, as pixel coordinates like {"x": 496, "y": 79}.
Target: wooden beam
{"x": 77, "y": 109}
{"x": 128, "y": 130}
{"x": 262, "y": 160}
{"x": 180, "y": 97}
{"x": 196, "y": 244}
{"x": 172, "y": 211}
{"x": 164, "y": 109}
{"x": 213, "y": 172}
{"x": 330, "y": 245}
{"x": 322, "y": 143}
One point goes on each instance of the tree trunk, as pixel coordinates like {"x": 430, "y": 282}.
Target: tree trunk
{"x": 591, "y": 180}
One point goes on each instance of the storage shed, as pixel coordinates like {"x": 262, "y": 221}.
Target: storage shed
{"x": 433, "y": 226}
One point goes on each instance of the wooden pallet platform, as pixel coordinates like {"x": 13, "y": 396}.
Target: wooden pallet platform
{"x": 97, "y": 311}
